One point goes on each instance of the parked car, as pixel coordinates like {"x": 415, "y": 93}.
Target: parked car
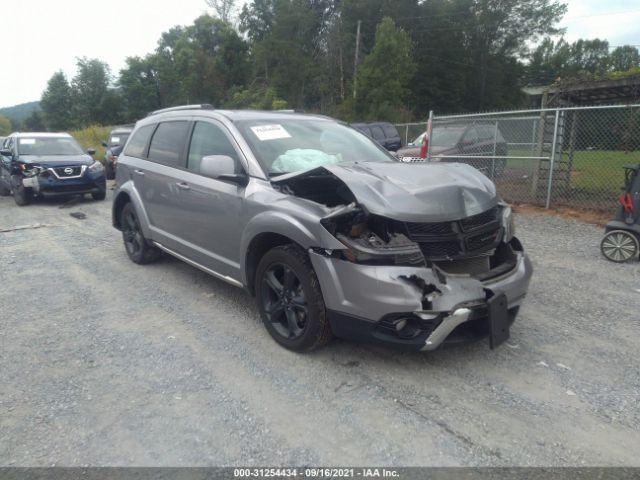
{"x": 455, "y": 141}
{"x": 330, "y": 232}
{"x": 384, "y": 133}
{"x": 114, "y": 145}
{"x": 48, "y": 164}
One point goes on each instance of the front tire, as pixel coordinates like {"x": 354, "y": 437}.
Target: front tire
{"x": 138, "y": 248}
{"x": 101, "y": 195}
{"x": 4, "y": 190}
{"x": 290, "y": 300}
{"x": 21, "y": 194}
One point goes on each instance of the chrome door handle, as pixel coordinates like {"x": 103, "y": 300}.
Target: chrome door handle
{"x": 183, "y": 186}
{"x": 139, "y": 173}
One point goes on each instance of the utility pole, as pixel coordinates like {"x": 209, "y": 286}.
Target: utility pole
{"x": 355, "y": 65}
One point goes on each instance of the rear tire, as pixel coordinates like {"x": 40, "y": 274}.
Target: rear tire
{"x": 138, "y": 248}
{"x": 110, "y": 172}
{"x": 21, "y": 195}
{"x": 290, "y": 300}
{"x": 4, "y": 190}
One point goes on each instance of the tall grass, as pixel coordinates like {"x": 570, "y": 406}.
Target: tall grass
{"x": 92, "y": 137}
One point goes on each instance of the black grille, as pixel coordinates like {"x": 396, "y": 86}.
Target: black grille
{"x": 440, "y": 249}
{"x": 449, "y": 240}
{"x": 482, "y": 240}
{"x": 429, "y": 229}
{"x": 75, "y": 171}
{"x": 480, "y": 220}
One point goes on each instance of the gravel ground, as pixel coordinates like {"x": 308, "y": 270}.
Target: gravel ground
{"x": 103, "y": 362}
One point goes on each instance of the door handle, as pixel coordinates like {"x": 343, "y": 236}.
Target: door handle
{"x": 183, "y": 186}
{"x": 140, "y": 173}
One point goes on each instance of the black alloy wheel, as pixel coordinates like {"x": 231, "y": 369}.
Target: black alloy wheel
{"x": 284, "y": 301}
{"x": 290, "y": 300}
{"x": 138, "y": 249}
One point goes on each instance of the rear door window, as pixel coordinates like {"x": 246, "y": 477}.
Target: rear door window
{"x": 138, "y": 144}
{"x": 168, "y": 143}
{"x": 390, "y": 131}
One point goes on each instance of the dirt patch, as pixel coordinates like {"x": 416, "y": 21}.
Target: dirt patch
{"x": 587, "y": 216}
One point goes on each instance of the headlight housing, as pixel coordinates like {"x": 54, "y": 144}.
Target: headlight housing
{"x": 96, "y": 167}
{"x": 508, "y": 223}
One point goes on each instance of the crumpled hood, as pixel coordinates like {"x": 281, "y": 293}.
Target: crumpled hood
{"x": 422, "y": 192}
{"x": 57, "y": 160}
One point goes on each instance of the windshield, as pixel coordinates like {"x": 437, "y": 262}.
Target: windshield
{"x": 286, "y": 146}
{"x": 446, "y": 137}
{"x": 118, "y": 139}
{"x": 48, "y": 146}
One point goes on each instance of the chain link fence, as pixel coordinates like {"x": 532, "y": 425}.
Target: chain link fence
{"x": 553, "y": 157}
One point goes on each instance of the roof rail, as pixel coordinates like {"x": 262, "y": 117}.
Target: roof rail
{"x": 204, "y": 106}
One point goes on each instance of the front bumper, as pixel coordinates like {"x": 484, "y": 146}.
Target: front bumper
{"x": 366, "y": 302}
{"x": 49, "y": 185}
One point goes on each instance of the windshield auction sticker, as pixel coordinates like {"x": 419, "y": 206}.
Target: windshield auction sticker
{"x": 270, "y": 132}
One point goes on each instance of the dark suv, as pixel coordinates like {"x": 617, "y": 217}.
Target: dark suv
{"x": 48, "y": 164}
{"x": 329, "y": 231}
{"x": 463, "y": 143}
{"x": 114, "y": 145}
{"x": 385, "y": 133}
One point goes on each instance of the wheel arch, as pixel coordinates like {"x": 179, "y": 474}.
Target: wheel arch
{"x": 127, "y": 194}
{"x": 273, "y": 229}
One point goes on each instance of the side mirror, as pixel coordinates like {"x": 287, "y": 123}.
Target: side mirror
{"x": 91, "y": 151}
{"x": 222, "y": 167}
{"x": 5, "y": 152}
{"x": 104, "y": 144}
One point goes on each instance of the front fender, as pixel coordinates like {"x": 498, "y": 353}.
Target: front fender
{"x": 128, "y": 188}
{"x": 306, "y": 232}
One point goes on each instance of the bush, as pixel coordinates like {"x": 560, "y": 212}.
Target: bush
{"x": 92, "y": 137}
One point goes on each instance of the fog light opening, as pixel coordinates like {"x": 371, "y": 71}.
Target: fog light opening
{"x": 407, "y": 328}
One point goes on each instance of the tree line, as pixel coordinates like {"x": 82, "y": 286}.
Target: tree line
{"x": 354, "y": 59}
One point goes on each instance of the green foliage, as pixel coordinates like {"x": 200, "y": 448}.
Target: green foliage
{"x": 624, "y": 58}
{"x": 93, "y": 99}
{"x": 92, "y": 137}
{"x": 385, "y": 74}
{"x": 139, "y": 85}
{"x": 551, "y": 60}
{"x": 34, "y": 122}
{"x": 256, "y": 99}
{"x": 414, "y": 56}
{"x": 56, "y": 103}
{"x": 5, "y": 126}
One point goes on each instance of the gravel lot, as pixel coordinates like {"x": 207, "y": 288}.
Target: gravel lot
{"x": 103, "y": 362}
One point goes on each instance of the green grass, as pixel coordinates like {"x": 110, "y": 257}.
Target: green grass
{"x": 92, "y": 137}
{"x": 595, "y": 171}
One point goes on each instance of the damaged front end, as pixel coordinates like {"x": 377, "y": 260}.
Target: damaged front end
{"x": 415, "y": 284}
{"x": 432, "y": 282}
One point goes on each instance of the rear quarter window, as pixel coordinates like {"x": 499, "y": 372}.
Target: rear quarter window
{"x": 139, "y": 141}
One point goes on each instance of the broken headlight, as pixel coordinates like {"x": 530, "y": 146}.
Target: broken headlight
{"x": 96, "y": 167}
{"x": 508, "y": 224}
{"x": 370, "y": 249}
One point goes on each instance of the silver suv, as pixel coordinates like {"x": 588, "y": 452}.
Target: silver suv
{"x": 330, "y": 233}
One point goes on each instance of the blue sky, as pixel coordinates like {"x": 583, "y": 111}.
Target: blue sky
{"x": 41, "y": 36}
